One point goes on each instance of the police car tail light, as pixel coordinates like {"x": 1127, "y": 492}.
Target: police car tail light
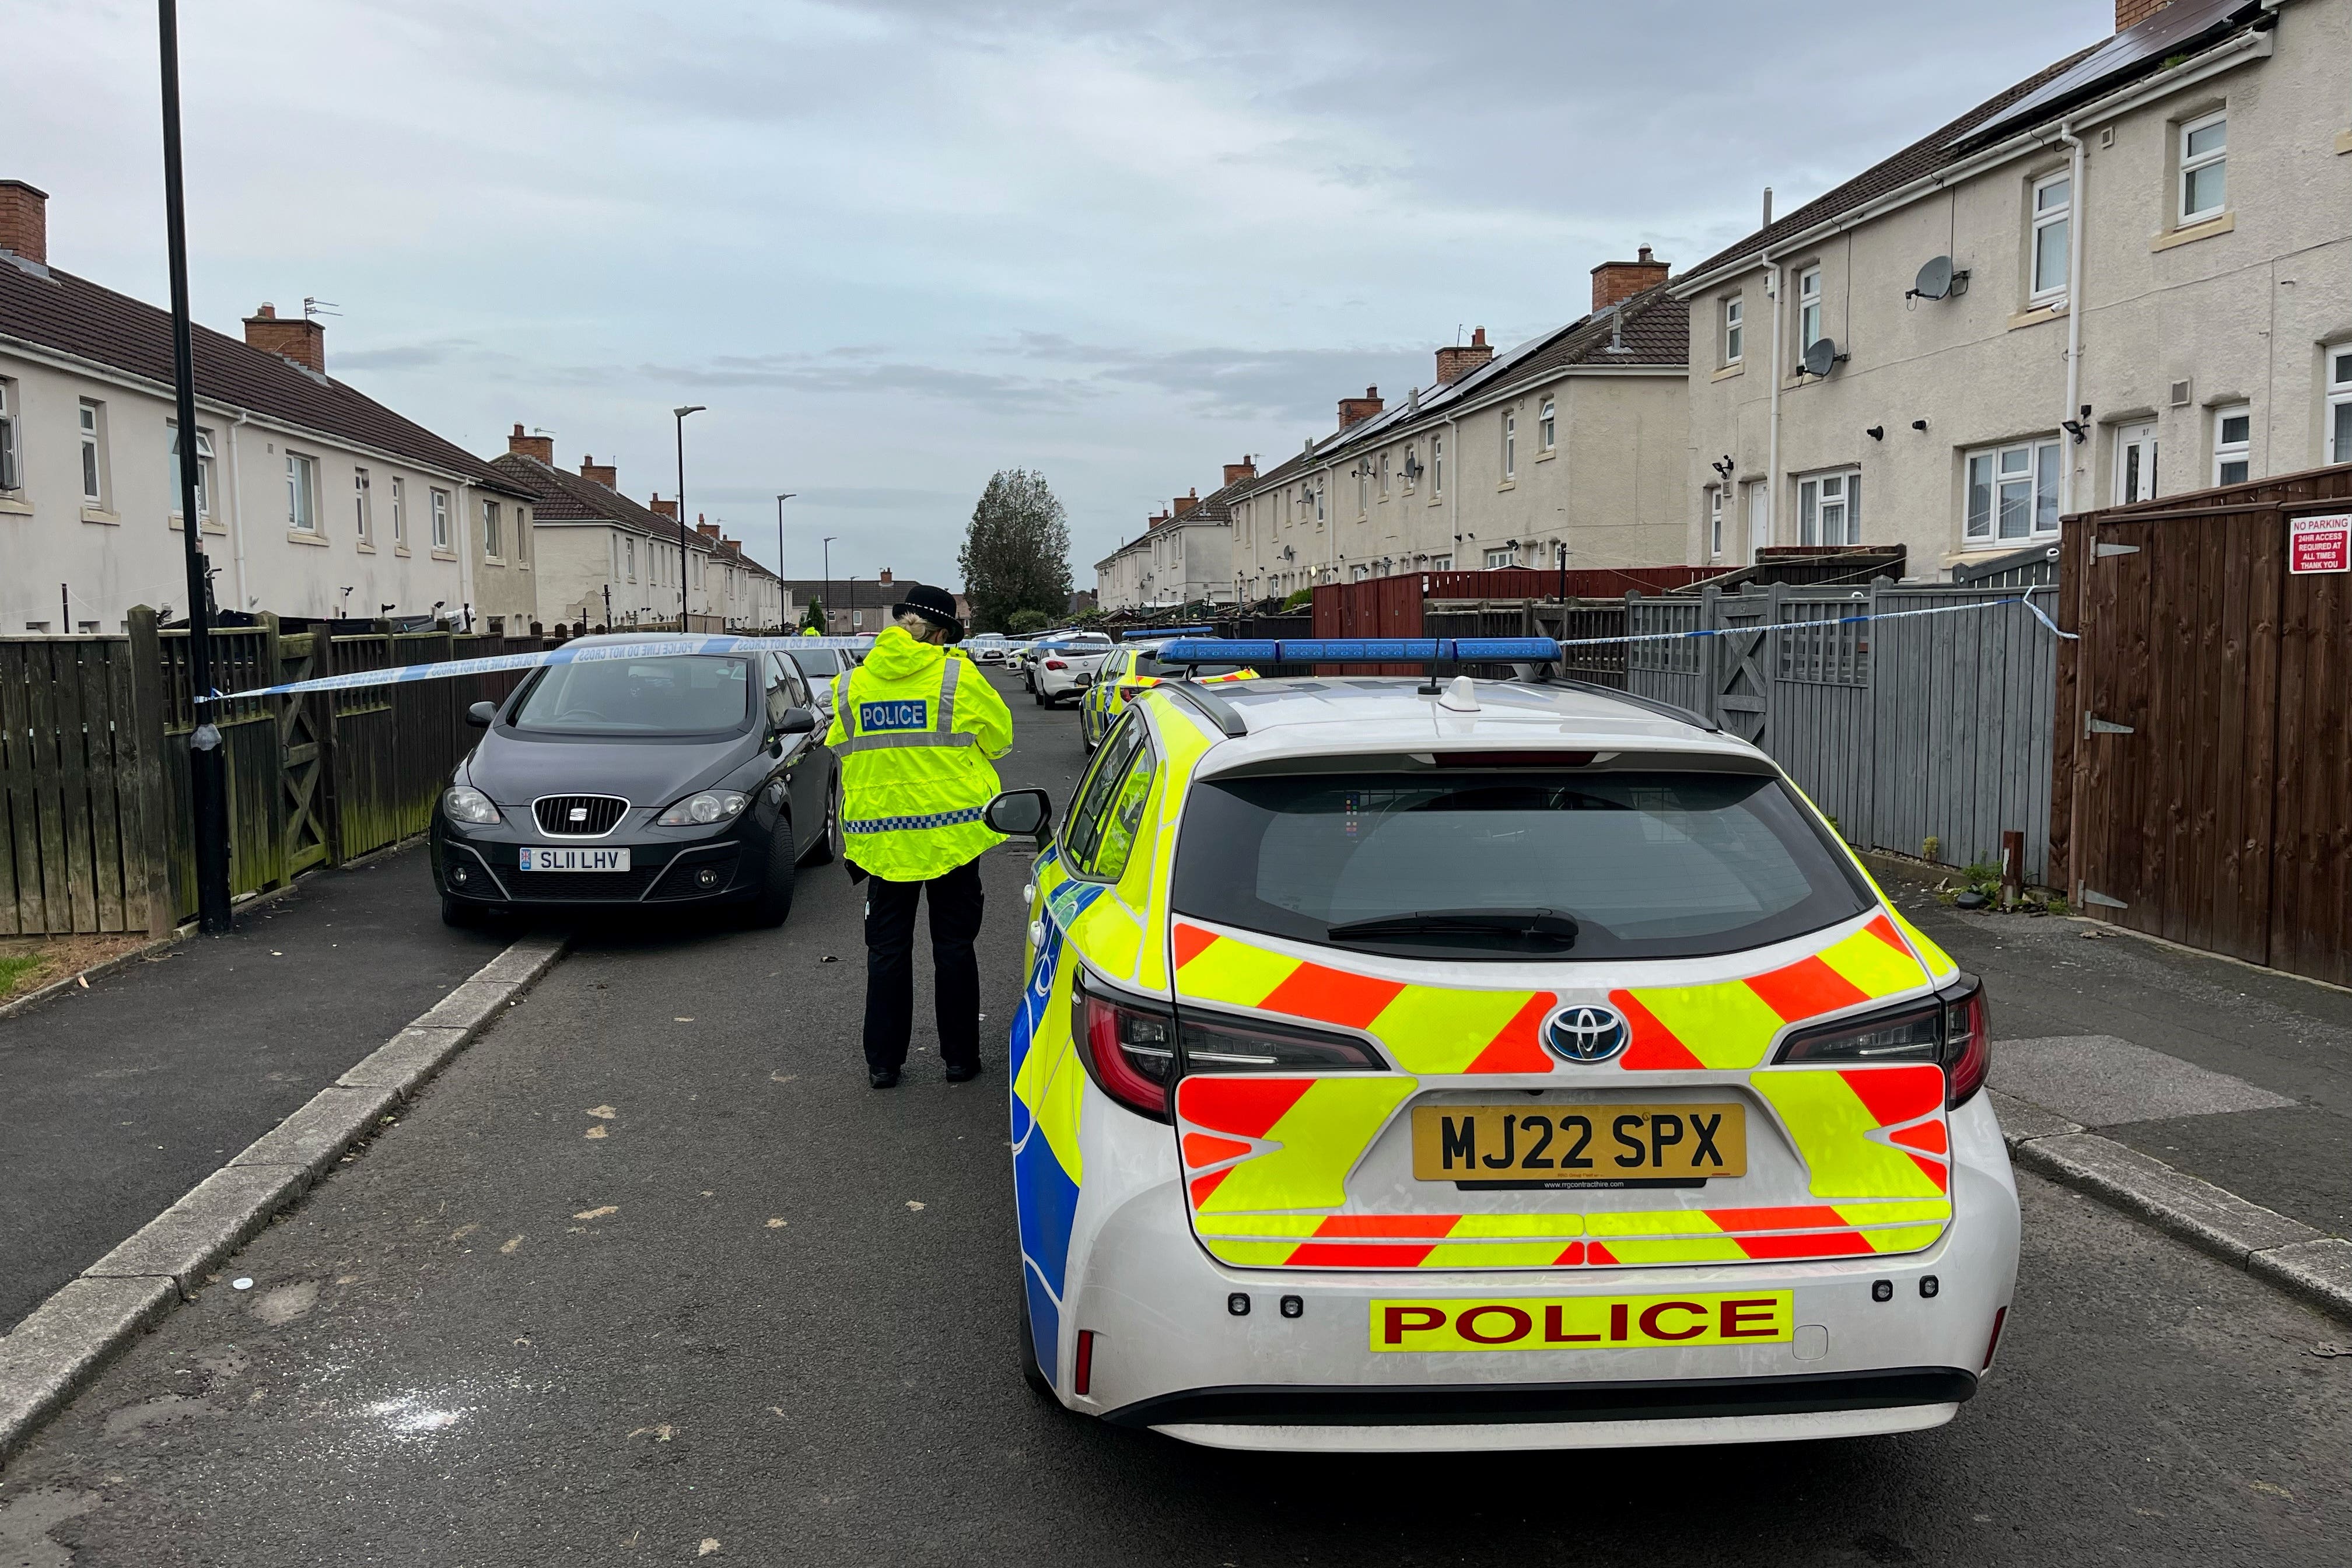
{"x": 1129, "y": 1049}
{"x": 1951, "y": 1029}
{"x": 1967, "y": 1040}
{"x": 1220, "y": 1045}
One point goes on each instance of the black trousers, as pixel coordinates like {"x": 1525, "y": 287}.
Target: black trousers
{"x": 955, "y": 899}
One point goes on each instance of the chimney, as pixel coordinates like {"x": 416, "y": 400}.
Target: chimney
{"x": 302, "y": 342}
{"x": 25, "y": 221}
{"x": 1185, "y": 502}
{"x": 1615, "y": 280}
{"x": 667, "y": 508}
{"x": 1355, "y": 410}
{"x": 1457, "y": 362}
{"x": 540, "y": 447}
{"x": 2132, "y": 12}
{"x": 603, "y": 474}
{"x": 708, "y": 530}
{"x": 1154, "y": 521}
{"x": 1245, "y": 469}
{"x": 885, "y": 578}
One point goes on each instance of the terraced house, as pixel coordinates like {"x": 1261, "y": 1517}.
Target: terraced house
{"x": 1574, "y": 442}
{"x": 312, "y": 499}
{"x": 1183, "y": 556}
{"x": 2129, "y": 275}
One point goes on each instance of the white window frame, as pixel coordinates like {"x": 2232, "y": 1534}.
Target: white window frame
{"x": 203, "y": 469}
{"x": 1436, "y": 463}
{"x": 1817, "y": 495}
{"x": 629, "y": 553}
{"x": 2028, "y": 470}
{"x": 1548, "y": 425}
{"x": 1319, "y": 509}
{"x": 440, "y": 501}
{"x": 1363, "y": 490}
{"x": 2240, "y": 451}
{"x": 12, "y": 440}
{"x": 90, "y": 414}
{"x": 1497, "y": 560}
{"x": 1808, "y": 309}
{"x": 1734, "y": 329}
{"x": 399, "y": 512}
{"x": 1714, "y": 523}
{"x": 1510, "y": 445}
{"x": 2339, "y": 403}
{"x": 1384, "y": 475}
{"x": 521, "y": 534}
{"x": 362, "y": 507}
{"x": 1440, "y": 563}
{"x": 2189, "y": 166}
{"x": 491, "y": 541}
{"x": 301, "y": 493}
{"x": 2060, "y": 216}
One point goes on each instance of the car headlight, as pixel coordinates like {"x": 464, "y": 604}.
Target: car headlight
{"x": 711, "y": 805}
{"x": 464, "y": 805}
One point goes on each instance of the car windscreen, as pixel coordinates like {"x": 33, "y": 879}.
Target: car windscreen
{"x": 818, "y": 663}
{"x": 1146, "y": 664}
{"x": 688, "y": 694}
{"x": 1518, "y": 865}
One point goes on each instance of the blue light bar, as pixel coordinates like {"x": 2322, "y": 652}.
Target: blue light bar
{"x": 1363, "y": 650}
{"x": 1169, "y": 632}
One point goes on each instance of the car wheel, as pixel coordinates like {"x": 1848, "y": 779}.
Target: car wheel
{"x": 775, "y": 899}
{"x": 459, "y": 912}
{"x": 827, "y": 847}
{"x": 1030, "y": 1373}
{"x": 1038, "y": 692}
{"x": 1086, "y": 742}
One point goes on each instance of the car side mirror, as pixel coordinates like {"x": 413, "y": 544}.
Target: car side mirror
{"x": 1019, "y": 811}
{"x": 480, "y": 714}
{"x": 796, "y": 722}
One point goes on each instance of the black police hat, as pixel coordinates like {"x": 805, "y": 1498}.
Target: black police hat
{"x": 936, "y": 605}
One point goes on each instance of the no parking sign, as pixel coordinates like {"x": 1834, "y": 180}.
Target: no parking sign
{"x": 2319, "y": 543}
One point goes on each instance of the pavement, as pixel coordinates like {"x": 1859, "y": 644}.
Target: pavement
{"x": 648, "y": 1274}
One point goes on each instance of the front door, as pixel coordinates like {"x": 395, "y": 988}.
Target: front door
{"x": 2135, "y": 463}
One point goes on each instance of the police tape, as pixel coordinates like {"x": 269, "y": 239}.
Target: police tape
{"x": 1732, "y": 631}
{"x": 569, "y": 653}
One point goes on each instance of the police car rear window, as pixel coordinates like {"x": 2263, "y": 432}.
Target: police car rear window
{"x": 1566, "y": 867}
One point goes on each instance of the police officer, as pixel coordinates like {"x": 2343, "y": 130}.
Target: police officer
{"x": 917, "y": 728}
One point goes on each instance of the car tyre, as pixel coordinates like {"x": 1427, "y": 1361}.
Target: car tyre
{"x": 775, "y": 899}
{"x": 457, "y": 912}
{"x": 827, "y": 847}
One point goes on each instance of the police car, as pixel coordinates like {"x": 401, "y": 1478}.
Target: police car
{"x": 1129, "y": 668}
{"x": 1486, "y": 1064}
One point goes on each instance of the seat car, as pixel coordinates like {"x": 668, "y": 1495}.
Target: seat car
{"x": 1517, "y": 1065}
{"x": 626, "y": 778}
{"x": 1065, "y": 667}
{"x": 1127, "y": 670}
{"x": 986, "y": 647}
{"x": 821, "y": 666}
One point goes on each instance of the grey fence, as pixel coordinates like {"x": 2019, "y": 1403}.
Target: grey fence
{"x": 1906, "y": 731}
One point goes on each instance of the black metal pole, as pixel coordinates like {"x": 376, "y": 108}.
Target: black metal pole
{"x": 207, "y": 764}
{"x": 681, "y": 523}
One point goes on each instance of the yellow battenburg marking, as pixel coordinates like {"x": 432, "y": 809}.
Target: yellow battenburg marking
{"x": 1183, "y": 745}
{"x": 1230, "y": 971}
{"x": 1566, "y": 1226}
{"x": 1725, "y": 1027}
{"x": 1872, "y": 967}
{"x": 1250, "y": 1254}
{"x": 1934, "y": 957}
{"x": 1493, "y": 1254}
{"x": 1321, "y": 1136}
{"x": 1654, "y": 1222}
{"x": 1107, "y": 932}
{"x": 1052, "y": 1080}
{"x": 1909, "y": 1238}
{"x": 1831, "y": 1128}
{"x": 1429, "y": 1029}
{"x": 1860, "y": 1215}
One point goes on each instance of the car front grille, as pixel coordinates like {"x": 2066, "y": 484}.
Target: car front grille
{"x": 578, "y": 815}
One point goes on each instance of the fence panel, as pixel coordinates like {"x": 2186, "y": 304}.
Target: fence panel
{"x": 1673, "y": 670}
{"x": 1823, "y": 727}
{"x": 74, "y": 815}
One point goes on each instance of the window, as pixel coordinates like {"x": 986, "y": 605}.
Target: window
{"x": 490, "y": 529}
{"x": 2233, "y": 441}
{"x": 1384, "y": 475}
{"x": 1735, "y": 331}
{"x": 2053, "y": 207}
{"x": 1548, "y": 425}
{"x": 1411, "y": 464}
{"x": 1498, "y": 558}
{"x": 2204, "y": 167}
{"x": 301, "y": 493}
{"x": 629, "y": 557}
{"x": 1510, "y": 443}
{"x": 694, "y": 694}
{"x": 523, "y": 533}
{"x": 361, "y": 522}
{"x": 1808, "y": 309}
{"x": 1436, "y": 467}
{"x": 93, "y": 453}
{"x": 2135, "y": 450}
{"x": 12, "y": 474}
{"x": 1358, "y": 574}
{"x": 2013, "y": 492}
{"x": 399, "y": 513}
{"x": 1714, "y": 523}
{"x": 2339, "y": 406}
{"x": 1829, "y": 508}
{"x": 1440, "y": 563}
{"x": 1318, "y": 500}
{"x": 1363, "y": 489}
{"x": 440, "y": 520}
{"x": 1101, "y": 831}
{"x": 203, "y": 469}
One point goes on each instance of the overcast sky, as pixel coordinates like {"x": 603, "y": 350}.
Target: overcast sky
{"x": 897, "y": 245}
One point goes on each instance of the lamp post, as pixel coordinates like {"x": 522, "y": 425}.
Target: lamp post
{"x": 208, "y": 763}
{"x": 828, "y": 581}
{"x": 681, "y": 414}
{"x": 780, "y": 557}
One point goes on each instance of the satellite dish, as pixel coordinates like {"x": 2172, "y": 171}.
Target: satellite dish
{"x": 1822, "y": 356}
{"x": 1935, "y": 280}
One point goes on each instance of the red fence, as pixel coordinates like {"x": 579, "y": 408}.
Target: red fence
{"x": 1391, "y": 606}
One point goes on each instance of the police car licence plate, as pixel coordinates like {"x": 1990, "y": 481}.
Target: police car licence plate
{"x": 542, "y": 859}
{"x": 1569, "y": 1146}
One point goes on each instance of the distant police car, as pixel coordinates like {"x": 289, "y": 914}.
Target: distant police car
{"x": 1127, "y": 670}
{"x": 1517, "y": 1065}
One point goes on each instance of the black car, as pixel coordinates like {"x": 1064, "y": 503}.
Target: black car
{"x": 622, "y": 778}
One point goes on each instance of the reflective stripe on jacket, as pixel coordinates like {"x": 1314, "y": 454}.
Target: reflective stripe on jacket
{"x": 916, "y": 742}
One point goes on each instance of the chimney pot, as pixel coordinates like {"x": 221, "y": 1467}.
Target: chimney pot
{"x": 1355, "y": 410}
{"x": 1245, "y": 469}
{"x": 708, "y": 530}
{"x": 885, "y": 578}
{"x": 604, "y": 474}
{"x": 1459, "y": 360}
{"x": 1615, "y": 280}
{"x": 540, "y": 447}
{"x": 667, "y": 508}
{"x": 25, "y": 221}
{"x": 297, "y": 338}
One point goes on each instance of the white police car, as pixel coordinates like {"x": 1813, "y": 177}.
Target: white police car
{"x": 1488, "y": 1065}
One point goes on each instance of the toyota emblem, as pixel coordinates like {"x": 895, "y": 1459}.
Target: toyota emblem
{"x": 1587, "y": 1034}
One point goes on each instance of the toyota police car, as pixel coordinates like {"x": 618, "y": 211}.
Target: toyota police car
{"x": 1133, "y": 668}
{"x": 1502, "y": 1064}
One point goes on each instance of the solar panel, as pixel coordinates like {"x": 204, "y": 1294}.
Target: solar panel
{"x": 2179, "y": 28}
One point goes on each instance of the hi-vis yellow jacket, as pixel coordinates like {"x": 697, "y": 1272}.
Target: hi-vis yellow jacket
{"x": 917, "y": 729}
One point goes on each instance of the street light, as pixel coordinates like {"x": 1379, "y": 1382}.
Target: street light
{"x": 780, "y": 556}
{"x": 828, "y": 580}
{"x": 208, "y": 763}
{"x": 682, "y": 413}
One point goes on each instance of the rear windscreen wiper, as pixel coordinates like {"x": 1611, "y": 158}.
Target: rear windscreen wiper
{"x": 1549, "y": 927}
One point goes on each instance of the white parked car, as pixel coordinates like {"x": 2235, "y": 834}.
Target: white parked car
{"x": 1063, "y": 667}
{"x": 1523, "y": 1067}
{"x": 987, "y": 647}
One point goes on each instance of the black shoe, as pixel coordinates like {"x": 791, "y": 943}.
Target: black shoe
{"x": 963, "y": 1072}
{"x": 882, "y": 1077}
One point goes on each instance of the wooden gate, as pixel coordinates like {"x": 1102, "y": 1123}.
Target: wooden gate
{"x": 2204, "y": 738}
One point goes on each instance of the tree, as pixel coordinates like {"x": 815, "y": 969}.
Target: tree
{"x": 815, "y": 615}
{"x": 1020, "y": 623}
{"x": 1017, "y": 553}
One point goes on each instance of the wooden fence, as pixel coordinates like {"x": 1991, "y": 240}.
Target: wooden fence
{"x": 95, "y": 733}
{"x": 2204, "y": 733}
